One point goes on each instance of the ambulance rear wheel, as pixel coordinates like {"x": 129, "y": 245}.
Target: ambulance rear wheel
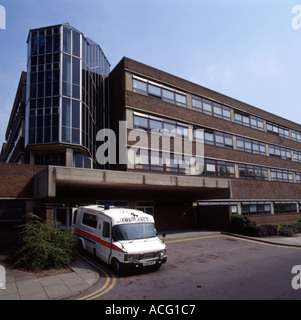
{"x": 116, "y": 265}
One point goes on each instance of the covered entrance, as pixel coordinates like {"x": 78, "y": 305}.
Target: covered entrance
{"x": 214, "y": 215}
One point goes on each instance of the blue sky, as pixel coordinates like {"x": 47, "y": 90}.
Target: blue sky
{"x": 246, "y": 49}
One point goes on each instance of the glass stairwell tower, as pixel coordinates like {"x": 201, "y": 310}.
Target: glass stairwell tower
{"x": 66, "y": 99}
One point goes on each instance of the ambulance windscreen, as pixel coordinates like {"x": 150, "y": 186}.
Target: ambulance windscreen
{"x": 133, "y": 231}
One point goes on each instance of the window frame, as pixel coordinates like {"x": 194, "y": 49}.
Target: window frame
{"x": 217, "y": 110}
{"x": 179, "y": 97}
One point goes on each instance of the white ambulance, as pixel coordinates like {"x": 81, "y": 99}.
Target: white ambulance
{"x": 120, "y": 237}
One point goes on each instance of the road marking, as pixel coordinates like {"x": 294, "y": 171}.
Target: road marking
{"x": 109, "y": 284}
{"x": 191, "y": 239}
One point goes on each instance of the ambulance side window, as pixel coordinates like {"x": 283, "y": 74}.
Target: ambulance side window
{"x": 106, "y": 230}
{"x": 89, "y": 220}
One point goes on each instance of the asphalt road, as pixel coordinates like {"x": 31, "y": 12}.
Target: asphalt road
{"x": 217, "y": 267}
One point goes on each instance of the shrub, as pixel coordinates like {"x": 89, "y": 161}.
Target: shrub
{"x": 241, "y": 223}
{"x": 244, "y": 225}
{"x": 43, "y": 247}
{"x": 289, "y": 229}
{"x": 267, "y": 230}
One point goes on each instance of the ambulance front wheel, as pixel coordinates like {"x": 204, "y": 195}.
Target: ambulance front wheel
{"x": 116, "y": 265}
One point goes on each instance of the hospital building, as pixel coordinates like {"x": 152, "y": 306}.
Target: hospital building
{"x": 51, "y": 157}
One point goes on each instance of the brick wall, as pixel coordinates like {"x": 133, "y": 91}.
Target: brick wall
{"x": 17, "y": 180}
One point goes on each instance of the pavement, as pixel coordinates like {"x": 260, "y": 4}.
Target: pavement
{"x": 80, "y": 276}
{"x": 67, "y": 283}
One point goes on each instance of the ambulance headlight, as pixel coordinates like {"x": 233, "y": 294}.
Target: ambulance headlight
{"x": 162, "y": 254}
{"x": 132, "y": 257}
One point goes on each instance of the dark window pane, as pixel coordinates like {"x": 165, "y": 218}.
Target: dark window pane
{"x": 42, "y": 42}
{"x": 75, "y": 114}
{"x": 75, "y": 71}
{"x": 75, "y": 136}
{"x": 66, "y": 68}
{"x": 49, "y": 44}
{"x": 56, "y": 43}
{"x": 55, "y": 134}
{"x": 34, "y": 44}
{"x": 66, "y": 112}
{"x": 76, "y": 43}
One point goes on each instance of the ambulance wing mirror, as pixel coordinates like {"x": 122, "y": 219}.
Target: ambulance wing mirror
{"x": 164, "y": 235}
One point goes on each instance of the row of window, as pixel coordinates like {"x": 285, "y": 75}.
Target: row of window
{"x": 168, "y": 126}
{"x": 159, "y": 91}
{"x": 206, "y": 106}
{"x": 214, "y": 138}
{"x": 261, "y": 208}
{"x": 211, "y": 108}
{"x": 165, "y": 162}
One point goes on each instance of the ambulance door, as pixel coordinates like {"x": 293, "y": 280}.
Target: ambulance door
{"x": 106, "y": 240}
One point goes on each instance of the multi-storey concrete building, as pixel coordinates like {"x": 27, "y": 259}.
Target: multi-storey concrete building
{"x": 250, "y": 161}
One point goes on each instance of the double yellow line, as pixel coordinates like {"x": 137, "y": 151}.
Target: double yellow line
{"x": 109, "y": 284}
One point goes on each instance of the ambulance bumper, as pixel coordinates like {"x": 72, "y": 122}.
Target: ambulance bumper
{"x": 146, "y": 263}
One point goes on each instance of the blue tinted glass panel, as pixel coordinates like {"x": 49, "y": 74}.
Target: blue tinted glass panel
{"x": 75, "y": 136}
{"x": 67, "y": 40}
{"x": 75, "y": 71}
{"x": 66, "y": 89}
{"x": 75, "y": 114}
{"x": 66, "y": 134}
{"x": 66, "y": 68}
{"x": 66, "y": 112}
{"x": 76, "y": 43}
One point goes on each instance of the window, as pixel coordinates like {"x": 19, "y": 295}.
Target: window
{"x": 297, "y": 156}
{"x": 275, "y": 128}
{"x": 50, "y": 159}
{"x": 82, "y": 161}
{"x": 255, "y": 208}
{"x": 282, "y": 175}
{"x": 252, "y": 146}
{"x": 279, "y": 152}
{"x": 216, "y": 138}
{"x": 90, "y": 220}
{"x": 211, "y": 108}
{"x": 219, "y": 168}
{"x": 11, "y": 210}
{"x": 298, "y": 177}
{"x": 283, "y": 207}
{"x": 249, "y": 120}
{"x": 252, "y": 172}
{"x": 167, "y": 126}
{"x": 106, "y": 230}
{"x": 164, "y": 162}
{"x": 296, "y": 135}
{"x": 167, "y": 94}
{"x": 145, "y": 206}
